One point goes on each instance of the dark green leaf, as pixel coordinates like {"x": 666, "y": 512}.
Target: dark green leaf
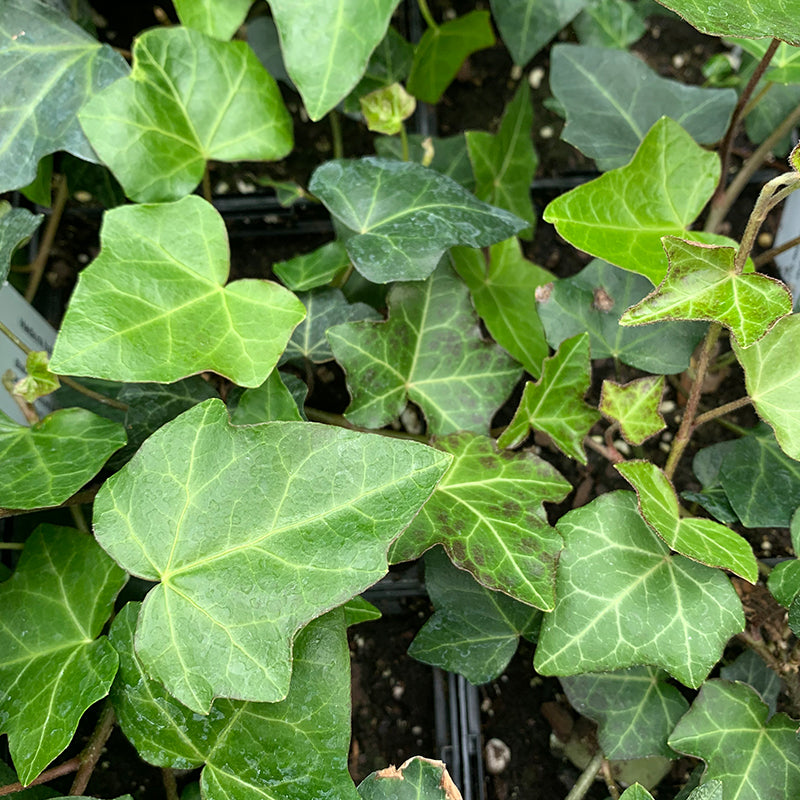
{"x": 39, "y": 190}
{"x": 450, "y": 156}
{"x": 751, "y": 669}
{"x": 262, "y": 36}
{"x": 416, "y": 779}
{"x": 270, "y": 402}
{"x": 784, "y": 580}
{"x": 17, "y": 225}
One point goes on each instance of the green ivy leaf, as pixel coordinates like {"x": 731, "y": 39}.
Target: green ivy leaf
{"x": 776, "y": 19}
{"x": 217, "y": 18}
{"x": 402, "y": 216}
{"x": 190, "y": 98}
{"x": 247, "y": 513}
{"x": 751, "y": 669}
{"x": 504, "y": 293}
{"x": 555, "y": 403}
{"x": 271, "y": 402}
{"x": 417, "y": 778}
{"x": 310, "y": 270}
{"x": 594, "y": 300}
{"x": 635, "y": 710}
{"x": 708, "y": 791}
{"x": 622, "y": 215}
{"x": 784, "y": 67}
{"x": 702, "y": 283}
{"x": 635, "y": 406}
{"x": 385, "y": 109}
{"x": 52, "y": 665}
{"x": 504, "y": 163}
{"x": 450, "y": 155}
{"x": 784, "y": 580}
{"x": 429, "y": 351}
{"x": 442, "y": 50}
{"x": 526, "y": 26}
{"x": 612, "y": 99}
{"x": 39, "y": 382}
{"x": 293, "y": 749}
{"x": 624, "y": 601}
{"x": 772, "y": 377}
{"x": 359, "y": 610}
{"x": 45, "y": 464}
{"x": 727, "y": 727}
{"x": 17, "y": 225}
{"x": 487, "y": 512}
{"x": 700, "y": 539}
{"x": 609, "y": 23}
{"x": 169, "y": 313}
{"x": 473, "y": 631}
{"x": 51, "y": 66}
{"x": 326, "y": 59}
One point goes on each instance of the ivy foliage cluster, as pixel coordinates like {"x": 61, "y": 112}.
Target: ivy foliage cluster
{"x": 257, "y": 521}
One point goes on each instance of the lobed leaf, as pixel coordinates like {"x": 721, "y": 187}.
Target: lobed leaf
{"x": 310, "y": 270}
{"x": 750, "y": 668}
{"x": 417, "y": 778}
{"x": 217, "y": 18}
{"x": 708, "y": 791}
{"x": 784, "y": 67}
{"x": 609, "y": 23}
{"x": 635, "y": 406}
{"x": 784, "y": 579}
{"x": 17, "y": 225}
{"x": 272, "y": 401}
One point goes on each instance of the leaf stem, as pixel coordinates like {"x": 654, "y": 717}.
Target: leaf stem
{"x": 90, "y": 754}
{"x": 329, "y": 418}
{"x": 404, "y": 141}
{"x": 586, "y": 778}
{"x": 12, "y": 545}
{"x": 721, "y": 411}
{"x": 48, "y": 775}
{"x": 336, "y": 133}
{"x": 757, "y": 98}
{"x": 611, "y": 453}
{"x": 207, "y": 184}
{"x": 426, "y": 14}
{"x": 40, "y": 262}
{"x": 170, "y": 785}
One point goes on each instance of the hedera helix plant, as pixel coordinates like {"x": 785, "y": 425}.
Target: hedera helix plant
{"x": 258, "y": 529}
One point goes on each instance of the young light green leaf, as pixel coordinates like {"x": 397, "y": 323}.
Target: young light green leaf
{"x": 609, "y": 23}
{"x": 217, "y": 18}
{"x": 594, "y": 300}
{"x": 776, "y": 19}
{"x": 17, "y": 225}
{"x": 52, "y": 665}
{"x": 39, "y": 381}
{"x": 293, "y": 749}
{"x": 450, "y": 155}
{"x": 635, "y": 710}
{"x": 750, "y": 668}
{"x": 504, "y": 163}
{"x": 443, "y": 49}
{"x": 417, "y": 778}
{"x": 555, "y": 403}
{"x": 487, "y": 512}
{"x": 526, "y": 26}
{"x": 326, "y": 45}
{"x": 700, "y": 539}
{"x": 48, "y": 462}
{"x": 772, "y": 377}
{"x": 324, "y": 309}
{"x": 190, "y": 98}
{"x": 702, "y": 283}
{"x": 310, "y": 270}
{"x": 624, "y": 601}
{"x": 238, "y": 510}
{"x": 504, "y": 293}
{"x": 49, "y": 67}
{"x": 429, "y": 351}
{"x": 635, "y": 407}
{"x": 753, "y": 758}
{"x": 270, "y": 402}
{"x": 359, "y": 610}
{"x": 784, "y": 67}
{"x": 473, "y": 631}
{"x": 403, "y": 216}
{"x": 622, "y": 215}
{"x": 612, "y": 99}
{"x": 385, "y": 109}
{"x": 168, "y": 313}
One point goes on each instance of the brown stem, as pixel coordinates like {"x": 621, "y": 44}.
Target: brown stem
{"x": 94, "y": 748}
{"x": 611, "y": 453}
{"x": 170, "y": 785}
{"x": 40, "y": 262}
{"x": 77, "y": 499}
{"x": 767, "y": 256}
{"x": 611, "y": 784}
{"x": 721, "y": 411}
{"x": 329, "y": 418}
{"x": 48, "y": 775}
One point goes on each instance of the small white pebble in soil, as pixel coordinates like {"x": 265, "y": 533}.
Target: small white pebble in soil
{"x": 244, "y": 187}
{"x": 668, "y": 406}
{"x": 678, "y": 60}
{"x": 222, "y": 187}
{"x": 498, "y": 756}
{"x": 486, "y": 704}
{"x": 303, "y": 114}
{"x": 82, "y": 196}
{"x": 398, "y": 690}
{"x": 666, "y": 436}
{"x": 449, "y": 14}
{"x": 596, "y": 438}
{"x": 535, "y": 77}
{"x": 655, "y": 31}
{"x": 417, "y": 730}
{"x": 765, "y": 239}
{"x": 516, "y": 72}
{"x": 766, "y": 545}
{"x": 664, "y": 447}
{"x": 622, "y": 446}
{"x": 387, "y": 673}
{"x": 105, "y": 764}
{"x": 83, "y": 258}
{"x": 546, "y": 132}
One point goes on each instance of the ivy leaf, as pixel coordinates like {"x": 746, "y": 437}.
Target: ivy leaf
{"x": 755, "y": 20}
{"x": 609, "y": 23}
{"x": 326, "y": 59}
{"x": 39, "y": 382}
{"x": 555, "y": 403}
{"x": 310, "y": 270}
{"x": 417, "y": 778}
{"x": 708, "y": 791}
{"x": 784, "y": 580}
{"x": 450, "y": 155}
{"x": 622, "y": 215}
{"x": 442, "y": 50}
{"x": 504, "y": 293}
{"x": 189, "y": 99}
{"x": 784, "y": 67}
{"x": 635, "y": 710}
{"x": 706, "y": 465}
{"x": 594, "y": 300}
{"x": 504, "y": 163}
{"x": 52, "y": 665}
{"x": 48, "y": 462}
{"x": 272, "y": 401}
{"x": 474, "y": 631}
{"x": 727, "y": 727}
{"x": 324, "y": 309}
{"x": 612, "y": 99}
{"x": 51, "y": 66}
{"x": 772, "y": 377}
{"x": 293, "y": 749}
{"x": 526, "y": 26}
{"x": 238, "y": 510}
{"x": 635, "y": 406}
{"x": 217, "y": 18}
{"x": 751, "y": 669}
{"x": 385, "y": 109}
{"x": 702, "y": 283}
{"x": 703, "y": 540}
{"x": 430, "y": 352}
{"x": 402, "y": 216}
{"x": 624, "y": 601}
{"x": 487, "y": 512}
{"x": 17, "y": 225}
{"x": 169, "y": 313}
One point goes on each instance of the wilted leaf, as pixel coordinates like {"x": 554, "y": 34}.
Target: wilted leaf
{"x": 416, "y": 779}
{"x": 217, "y": 18}
{"x": 17, "y": 225}
{"x": 635, "y": 407}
